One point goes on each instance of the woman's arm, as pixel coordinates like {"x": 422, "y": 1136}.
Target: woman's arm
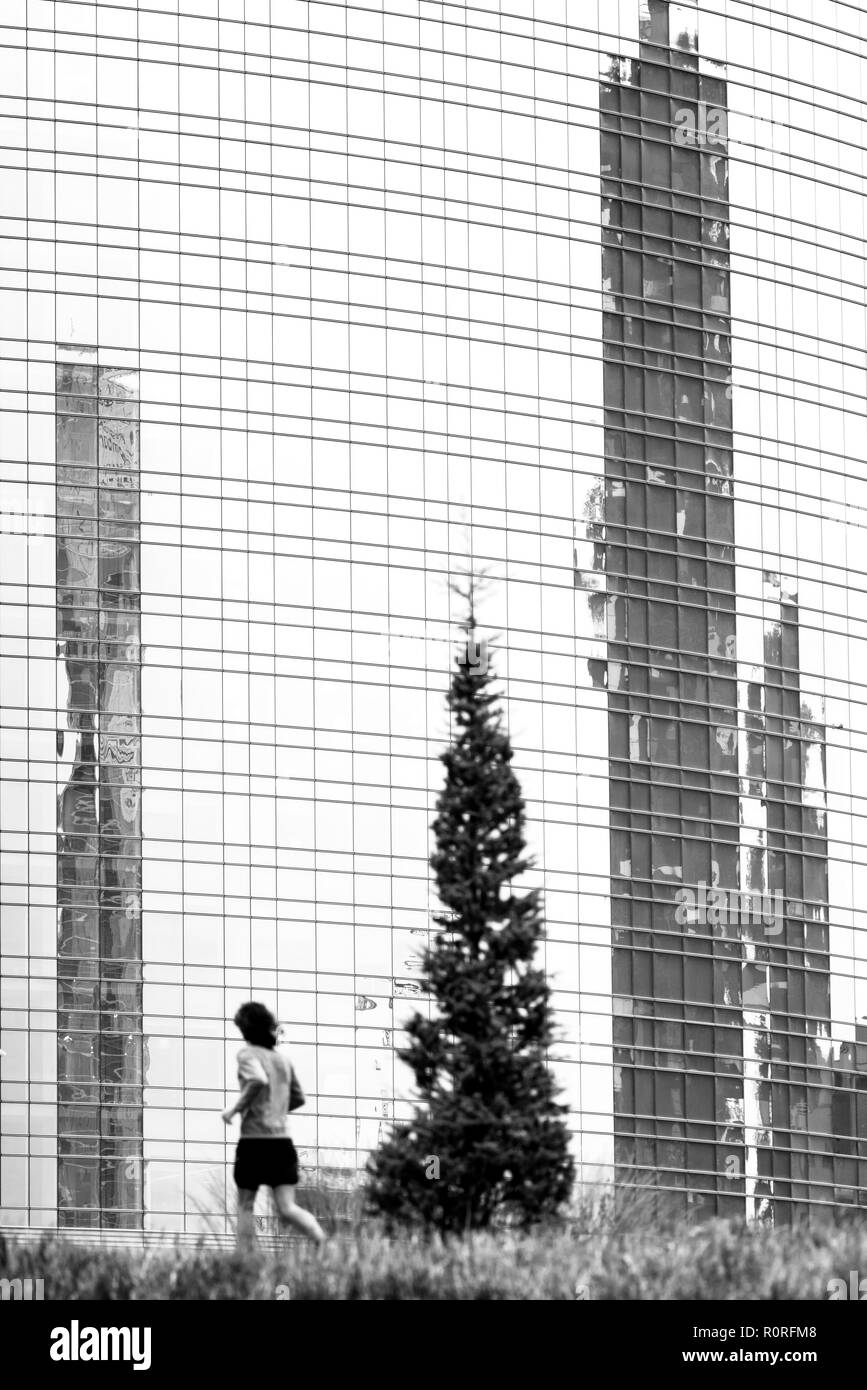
{"x": 252, "y": 1076}
{"x": 248, "y": 1091}
{"x": 297, "y": 1097}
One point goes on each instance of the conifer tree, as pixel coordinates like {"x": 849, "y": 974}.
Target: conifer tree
{"x": 487, "y": 1137}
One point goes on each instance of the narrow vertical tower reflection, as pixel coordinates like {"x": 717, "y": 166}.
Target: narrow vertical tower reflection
{"x": 679, "y": 1087}
{"x": 99, "y": 804}
{"x": 793, "y": 990}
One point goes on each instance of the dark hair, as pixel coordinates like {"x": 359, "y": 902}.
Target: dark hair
{"x": 257, "y": 1024}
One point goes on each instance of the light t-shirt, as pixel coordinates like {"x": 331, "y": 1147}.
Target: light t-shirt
{"x": 266, "y": 1114}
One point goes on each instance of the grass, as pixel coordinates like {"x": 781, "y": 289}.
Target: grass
{"x": 716, "y": 1260}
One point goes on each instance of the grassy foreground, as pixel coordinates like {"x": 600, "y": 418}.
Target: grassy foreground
{"x": 716, "y": 1260}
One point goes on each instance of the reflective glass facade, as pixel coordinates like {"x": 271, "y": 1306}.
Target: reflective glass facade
{"x": 303, "y": 309}
{"x": 669, "y": 563}
{"x": 99, "y": 881}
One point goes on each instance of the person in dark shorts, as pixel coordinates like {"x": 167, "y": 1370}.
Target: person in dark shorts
{"x": 265, "y": 1154}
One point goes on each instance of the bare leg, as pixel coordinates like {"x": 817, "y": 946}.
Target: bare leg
{"x": 246, "y": 1228}
{"x": 291, "y": 1214}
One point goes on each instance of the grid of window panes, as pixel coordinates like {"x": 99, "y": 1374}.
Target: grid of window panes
{"x": 798, "y": 338}
{"x": 670, "y": 572}
{"x": 732, "y": 1092}
{"x": 795, "y": 85}
{"x": 346, "y": 257}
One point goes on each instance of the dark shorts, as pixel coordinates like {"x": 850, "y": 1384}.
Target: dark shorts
{"x": 265, "y": 1163}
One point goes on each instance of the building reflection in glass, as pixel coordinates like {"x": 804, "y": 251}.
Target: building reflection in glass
{"x": 730, "y": 1096}
{"x": 99, "y": 806}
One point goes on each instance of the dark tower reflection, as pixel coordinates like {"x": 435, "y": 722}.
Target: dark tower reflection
{"x": 679, "y": 1095}
{"x": 99, "y": 808}
{"x": 730, "y": 1095}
